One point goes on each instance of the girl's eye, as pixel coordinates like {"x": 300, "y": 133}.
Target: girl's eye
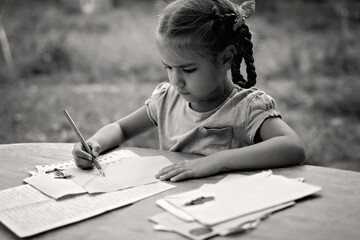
{"x": 189, "y": 70}
{"x": 167, "y": 67}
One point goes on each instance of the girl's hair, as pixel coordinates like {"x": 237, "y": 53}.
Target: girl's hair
{"x": 207, "y": 27}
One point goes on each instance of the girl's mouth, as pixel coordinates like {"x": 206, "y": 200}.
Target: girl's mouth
{"x": 183, "y": 93}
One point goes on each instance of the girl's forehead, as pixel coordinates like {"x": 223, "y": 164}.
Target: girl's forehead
{"x": 175, "y": 50}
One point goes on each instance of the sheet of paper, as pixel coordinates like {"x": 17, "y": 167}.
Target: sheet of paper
{"x": 192, "y": 230}
{"x": 42, "y": 216}
{"x": 125, "y": 173}
{"x": 196, "y": 231}
{"x": 103, "y": 159}
{"x": 20, "y": 196}
{"x": 232, "y": 176}
{"x": 54, "y": 187}
{"x": 237, "y": 224}
{"x": 174, "y": 210}
{"x": 241, "y": 197}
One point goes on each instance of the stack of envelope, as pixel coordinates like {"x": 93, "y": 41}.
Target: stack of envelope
{"x": 237, "y": 203}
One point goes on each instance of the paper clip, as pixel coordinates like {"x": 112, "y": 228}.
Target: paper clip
{"x": 59, "y": 173}
{"x": 199, "y": 200}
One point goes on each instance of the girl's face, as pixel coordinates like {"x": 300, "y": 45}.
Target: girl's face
{"x": 200, "y": 81}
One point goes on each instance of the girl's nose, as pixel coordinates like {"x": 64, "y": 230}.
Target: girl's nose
{"x": 177, "y": 78}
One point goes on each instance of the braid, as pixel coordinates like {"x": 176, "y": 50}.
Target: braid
{"x": 227, "y": 18}
{"x": 245, "y": 51}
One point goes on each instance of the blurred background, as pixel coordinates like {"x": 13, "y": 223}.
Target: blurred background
{"x": 97, "y": 59}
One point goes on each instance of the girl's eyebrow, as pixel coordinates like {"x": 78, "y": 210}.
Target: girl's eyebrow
{"x": 180, "y": 66}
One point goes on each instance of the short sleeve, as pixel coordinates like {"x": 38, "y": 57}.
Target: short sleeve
{"x": 260, "y": 106}
{"x": 154, "y": 101}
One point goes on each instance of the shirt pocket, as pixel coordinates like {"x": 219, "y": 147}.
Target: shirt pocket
{"x": 215, "y": 139}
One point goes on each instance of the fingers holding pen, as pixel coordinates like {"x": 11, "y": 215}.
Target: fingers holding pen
{"x": 82, "y": 158}
{"x": 95, "y": 147}
{"x": 80, "y": 152}
{"x": 83, "y": 163}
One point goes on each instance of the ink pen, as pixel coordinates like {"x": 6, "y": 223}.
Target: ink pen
{"x": 82, "y": 140}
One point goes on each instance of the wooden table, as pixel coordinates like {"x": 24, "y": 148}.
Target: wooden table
{"x": 333, "y": 214}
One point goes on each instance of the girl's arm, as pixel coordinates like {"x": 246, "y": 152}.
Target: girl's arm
{"x": 112, "y": 135}
{"x": 280, "y": 147}
{"x": 115, "y": 134}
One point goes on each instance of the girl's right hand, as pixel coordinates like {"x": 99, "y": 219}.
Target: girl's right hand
{"x": 84, "y": 159}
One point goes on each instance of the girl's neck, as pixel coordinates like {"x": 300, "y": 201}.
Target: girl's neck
{"x": 206, "y": 106}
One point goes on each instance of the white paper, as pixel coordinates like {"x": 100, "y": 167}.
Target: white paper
{"x": 241, "y": 197}
{"x": 174, "y": 210}
{"x": 192, "y": 230}
{"x": 237, "y": 224}
{"x": 196, "y": 231}
{"x": 20, "y": 196}
{"x": 102, "y": 159}
{"x": 54, "y": 187}
{"x": 125, "y": 173}
{"x": 233, "y": 176}
{"x": 42, "y": 216}
{"x": 120, "y": 173}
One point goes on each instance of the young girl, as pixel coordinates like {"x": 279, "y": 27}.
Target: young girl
{"x": 202, "y": 110}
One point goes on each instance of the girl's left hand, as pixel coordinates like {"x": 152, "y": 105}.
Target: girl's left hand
{"x": 196, "y": 168}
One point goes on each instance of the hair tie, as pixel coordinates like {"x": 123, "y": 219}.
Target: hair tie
{"x": 244, "y": 11}
{"x": 238, "y": 23}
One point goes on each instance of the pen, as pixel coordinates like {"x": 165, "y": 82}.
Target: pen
{"x": 82, "y": 140}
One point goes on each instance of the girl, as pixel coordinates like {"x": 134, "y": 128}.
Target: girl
{"x": 202, "y": 110}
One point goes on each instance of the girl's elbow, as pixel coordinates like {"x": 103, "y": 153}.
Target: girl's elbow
{"x": 299, "y": 152}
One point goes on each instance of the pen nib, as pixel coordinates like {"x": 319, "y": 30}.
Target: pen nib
{"x": 102, "y": 173}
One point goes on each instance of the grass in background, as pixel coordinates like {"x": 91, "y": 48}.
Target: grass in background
{"x": 103, "y": 66}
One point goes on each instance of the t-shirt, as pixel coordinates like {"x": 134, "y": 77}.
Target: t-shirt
{"x": 231, "y": 125}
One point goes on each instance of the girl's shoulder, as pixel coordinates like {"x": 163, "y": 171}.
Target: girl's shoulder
{"x": 161, "y": 88}
{"x": 253, "y": 98}
{"x": 163, "y": 92}
{"x": 250, "y": 94}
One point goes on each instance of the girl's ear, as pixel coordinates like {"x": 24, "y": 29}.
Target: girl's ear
{"x": 228, "y": 56}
